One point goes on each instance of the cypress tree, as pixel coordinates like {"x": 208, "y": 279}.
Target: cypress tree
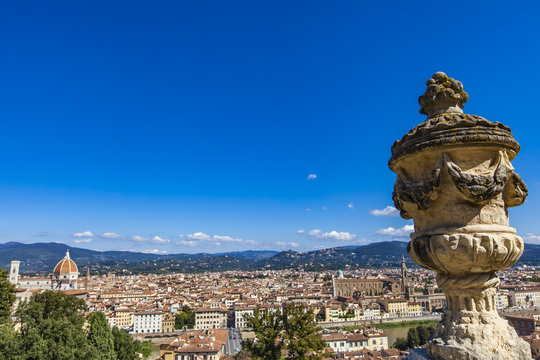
{"x": 100, "y": 337}
{"x": 124, "y": 345}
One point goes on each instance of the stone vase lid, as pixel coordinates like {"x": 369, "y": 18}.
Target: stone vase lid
{"x": 447, "y": 125}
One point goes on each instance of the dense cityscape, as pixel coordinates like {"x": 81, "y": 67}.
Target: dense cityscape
{"x": 206, "y": 315}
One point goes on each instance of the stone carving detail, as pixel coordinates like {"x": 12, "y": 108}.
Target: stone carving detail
{"x": 442, "y": 93}
{"x": 422, "y": 193}
{"x": 515, "y": 192}
{"x": 465, "y": 242}
{"x": 478, "y": 187}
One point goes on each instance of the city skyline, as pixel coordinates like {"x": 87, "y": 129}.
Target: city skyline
{"x": 174, "y": 128}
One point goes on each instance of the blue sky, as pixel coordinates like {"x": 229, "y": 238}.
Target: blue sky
{"x": 173, "y": 126}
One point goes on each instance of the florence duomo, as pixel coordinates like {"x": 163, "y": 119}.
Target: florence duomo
{"x": 65, "y": 276}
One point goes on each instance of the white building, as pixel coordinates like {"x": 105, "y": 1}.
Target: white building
{"x": 347, "y": 341}
{"x": 240, "y": 316}
{"x": 524, "y": 297}
{"x": 501, "y": 299}
{"x": 147, "y": 322}
{"x": 210, "y": 318}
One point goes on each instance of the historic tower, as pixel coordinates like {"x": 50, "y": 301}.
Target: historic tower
{"x": 404, "y": 276}
{"x": 14, "y": 272}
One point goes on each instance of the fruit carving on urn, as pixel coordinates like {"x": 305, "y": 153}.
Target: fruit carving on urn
{"x": 456, "y": 181}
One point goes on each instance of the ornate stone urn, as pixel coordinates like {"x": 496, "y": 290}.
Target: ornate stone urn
{"x": 455, "y": 180}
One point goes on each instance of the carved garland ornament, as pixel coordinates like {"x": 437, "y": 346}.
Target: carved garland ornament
{"x": 478, "y": 188}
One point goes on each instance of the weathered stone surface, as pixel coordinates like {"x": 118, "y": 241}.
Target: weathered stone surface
{"x": 455, "y": 180}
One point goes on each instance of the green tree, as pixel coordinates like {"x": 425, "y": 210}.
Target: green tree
{"x": 292, "y": 332}
{"x": 7, "y": 297}
{"x": 186, "y": 317}
{"x": 412, "y": 338}
{"x": 400, "y": 344}
{"x": 303, "y": 340}
{"x": 268, "y": 343}
{"x": 100, "y": 336}
{"x": 9, "y": 343}
{"x": 124, "y": 346}
{"x": 52, "y": 328}
{"x": 423, "y": 334}
{"x": 144, "y": 348}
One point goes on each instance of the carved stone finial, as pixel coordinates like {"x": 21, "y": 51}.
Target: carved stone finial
{"x": 443, "y": 95}
{"x": 456, "y": 181}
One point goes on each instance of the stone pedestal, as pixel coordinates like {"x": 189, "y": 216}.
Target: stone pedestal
{"x": 455, "y": 180}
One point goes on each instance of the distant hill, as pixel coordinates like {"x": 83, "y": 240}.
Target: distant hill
{"x": 531, "y": 255}
{"x": 44, "y": 256}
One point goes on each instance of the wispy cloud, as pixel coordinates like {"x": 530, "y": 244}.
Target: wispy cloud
{"x": 85, "y": 234}
{"x": 350, "y": 205}
{"x": 285, "y": 244}
{"x": 155, "y": 240}
{"x": 225, "y": 238}
{"x": 81, "y": 241}
{"x": 387, "y": 211}
{"x": 401, "y": 232}
{"x": 301, "y": 231}
{"x": 216, "y": 240}
{"x": 187, "y": 243}
{"x": 312, "y": 176}
{"x": 111, "y": 235}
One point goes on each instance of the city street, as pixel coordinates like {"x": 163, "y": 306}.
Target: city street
{"x": 233, "y": 342}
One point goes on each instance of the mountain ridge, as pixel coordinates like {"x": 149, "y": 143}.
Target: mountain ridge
{"x": 42, "y": 257}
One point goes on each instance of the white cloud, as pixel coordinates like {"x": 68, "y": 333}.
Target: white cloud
{"x": 187, "y": 243}
{"x": 332, "y": 235}
{"x": 196, "y": 236}
{"x": 85, "y": 234}
{"x": 154, "y": 240}
{"x": 286, "y": 244}
{"x": 315, "y": 233}
{"x": 312, "y": 176}
{"x": 301, "y": 231}
{"x": 532, "y": 238}
{"x": 227, "y": 239}
{"x": 338, "y": 235}
{"x": 138, "y": 238}
{"x": 80, "y": 241}
{"x": 390, "y": 231}
{"x": 216, "y": 240}
{"x": 111, "y": 235}
{"x": 157, "y": 240}
{"x": 350, "y": 205}
{"x": 387, "y": 211}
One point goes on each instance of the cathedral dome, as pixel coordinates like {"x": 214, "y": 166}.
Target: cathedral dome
{"x": 66, "y": 266}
